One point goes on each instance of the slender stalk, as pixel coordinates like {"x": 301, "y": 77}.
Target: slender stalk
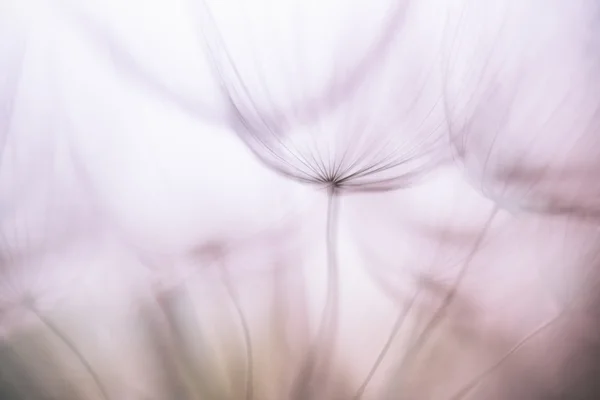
{"x": 470, "y": 387}
{"x": 68, "y": 343}
{"x": 186, "y": 378}
{"x": 450, "y": 296}
{"x": 178, "y": 367}
{"x": 386, "y": 347}
{"x": 245, "y": 332}
{"x": 317, "y": 367}
{"x": 331, "y": 310}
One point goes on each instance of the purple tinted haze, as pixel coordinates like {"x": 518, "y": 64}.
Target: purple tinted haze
{"x": 300, "y": 199}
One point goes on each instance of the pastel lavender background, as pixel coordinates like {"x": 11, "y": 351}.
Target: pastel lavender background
{"x": 126, "y": 175}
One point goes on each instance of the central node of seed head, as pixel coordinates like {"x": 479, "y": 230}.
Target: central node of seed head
{"x": 334, "y": 183}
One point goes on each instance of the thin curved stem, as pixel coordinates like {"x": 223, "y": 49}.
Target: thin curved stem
{"x": 245, "y": 332}
{"x": 67, "y": 342}
{"x": 330, "y": 312}
{"x": 316, "y": 368}
{"x": 398, "y": 324}
{"x": 451, "y": 295}
{"x": 469, "y": 387}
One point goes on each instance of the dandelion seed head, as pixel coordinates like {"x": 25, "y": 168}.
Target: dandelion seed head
{"x": 513, "y": 112}
{"x": 370, "y": 137}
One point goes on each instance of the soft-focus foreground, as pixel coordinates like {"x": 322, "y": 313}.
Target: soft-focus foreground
{"x": 299, "y": 199}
